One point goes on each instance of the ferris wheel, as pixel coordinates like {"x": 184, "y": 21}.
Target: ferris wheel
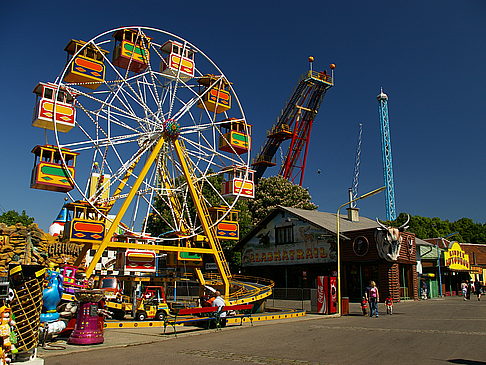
{"x": 147, "y": 117}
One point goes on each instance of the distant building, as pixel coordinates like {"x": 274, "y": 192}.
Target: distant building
{"x": 460, "y": 262}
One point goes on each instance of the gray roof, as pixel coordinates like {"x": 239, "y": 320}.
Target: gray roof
{"x": 420, "y": 242}
{"x": 328, "y": 220}
{"x": 321, "y": 219}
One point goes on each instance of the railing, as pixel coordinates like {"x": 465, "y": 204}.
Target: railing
{"x": 321, "y": 76}
{"x": 290, "y": 298}
{"x": 245, "y": 287}
{"x": 271, "y": 160}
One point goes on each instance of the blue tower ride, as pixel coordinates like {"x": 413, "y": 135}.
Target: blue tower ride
{"x": 391, "y": 214}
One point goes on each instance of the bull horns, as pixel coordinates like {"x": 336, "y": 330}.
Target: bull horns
{"x": 403, "y": 227}
{"x": 381, "y": 224}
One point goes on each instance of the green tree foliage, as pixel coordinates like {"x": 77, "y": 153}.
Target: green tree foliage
{"x": 276, "y": 190}
{"x": 158, "y": 223}
{"x": 12, "y": 217}
{"x": 269, "y": 193}
{"x": 424, "y": 227}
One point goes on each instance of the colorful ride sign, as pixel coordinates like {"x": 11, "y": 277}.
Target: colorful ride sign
{"x": 456, "y": 259}
{"x": 84, "y": 230}
{"x": 227, "y": 231}
{"x": 140, "y": 261}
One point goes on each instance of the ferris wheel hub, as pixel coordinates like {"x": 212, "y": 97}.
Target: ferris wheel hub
{"x": 172, "y": 129}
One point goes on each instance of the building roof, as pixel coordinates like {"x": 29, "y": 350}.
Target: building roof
{"x": 420, "y": 242}
{"x": 321, "y": 219}
{"x": 328, "y": 220}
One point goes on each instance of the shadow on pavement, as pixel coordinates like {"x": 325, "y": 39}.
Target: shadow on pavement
{"x": 466, "y": 362}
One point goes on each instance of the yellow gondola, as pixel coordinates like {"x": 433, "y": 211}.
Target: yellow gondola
{"x": 179, "y": 61}
{"x": 87, "y": 224}
{"x": 228, "y": 228}
{"x": 49, "y": 172}
{"x": 215, "y": 97}
{"x": 48, "y": 95}
{"x": 236, "y": 136}
{"x": 132, "y": 50}
{"x": 87, "y": 68}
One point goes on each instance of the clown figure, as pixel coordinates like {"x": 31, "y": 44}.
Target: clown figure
{"x": 6, "y": 331}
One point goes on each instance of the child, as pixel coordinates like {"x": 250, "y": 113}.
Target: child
{"x": 389, "y": 305}
{"x": 364, "y": 306}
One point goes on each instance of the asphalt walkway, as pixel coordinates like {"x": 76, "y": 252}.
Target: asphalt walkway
{"x": 443, "y": 331}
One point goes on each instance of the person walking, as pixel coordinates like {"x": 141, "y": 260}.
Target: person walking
{"x": 478, "y": 289}
{"x": 373, "y": 297}
{"x": 464, "y": 290}
{"x": 469, "y": 290}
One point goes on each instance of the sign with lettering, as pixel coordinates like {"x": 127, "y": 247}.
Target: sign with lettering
{"x": 286, "y": 240}
{"x": 4, "y": 240}
{"x": 456, "y": 259}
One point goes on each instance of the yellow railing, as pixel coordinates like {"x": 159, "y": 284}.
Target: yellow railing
{"x": 321, "y": 76}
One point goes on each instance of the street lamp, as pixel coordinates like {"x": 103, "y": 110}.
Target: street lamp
{"x": 367, "y": 195}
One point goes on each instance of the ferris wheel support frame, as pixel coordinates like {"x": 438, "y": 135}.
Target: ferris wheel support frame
{"x": 203, "y": 215}
{"x": 214, "y": 246}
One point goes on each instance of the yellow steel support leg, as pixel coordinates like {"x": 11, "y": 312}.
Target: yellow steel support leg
{"x": 125, "y": 205}
{"x": 203, "y": 216}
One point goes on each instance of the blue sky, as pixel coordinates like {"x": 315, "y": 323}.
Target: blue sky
{"x": 428, "y": 56}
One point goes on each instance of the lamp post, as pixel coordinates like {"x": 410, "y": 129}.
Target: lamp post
{"x": 367, "y": 195}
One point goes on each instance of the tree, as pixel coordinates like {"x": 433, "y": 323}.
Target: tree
{"x": 274, "y": 191}
{"x": 12, "y": 217}
{"x": 424, "y": 227}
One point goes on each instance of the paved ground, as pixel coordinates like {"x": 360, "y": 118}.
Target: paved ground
{"x": 443, "y": 331}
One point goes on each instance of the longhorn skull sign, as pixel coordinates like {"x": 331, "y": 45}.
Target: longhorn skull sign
{"x": 388, "y": 240}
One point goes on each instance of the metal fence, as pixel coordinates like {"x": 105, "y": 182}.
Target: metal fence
{"x": 291, "y": 298}
{"x": 281, "y": 298}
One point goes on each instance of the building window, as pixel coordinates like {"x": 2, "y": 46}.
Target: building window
{"x": 284, "y": 235}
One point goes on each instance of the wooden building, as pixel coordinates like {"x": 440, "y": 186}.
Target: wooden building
{"x": 293, "y": 246}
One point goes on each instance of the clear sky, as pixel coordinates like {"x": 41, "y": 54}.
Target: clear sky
{"x": 429, "y": 57}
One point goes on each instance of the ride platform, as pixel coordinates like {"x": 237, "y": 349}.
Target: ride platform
{"x": 233, "y": 320}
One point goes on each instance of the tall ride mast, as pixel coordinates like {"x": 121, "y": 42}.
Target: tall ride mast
{"x": 295, "y": 124}
{"x": 391, "y": 214}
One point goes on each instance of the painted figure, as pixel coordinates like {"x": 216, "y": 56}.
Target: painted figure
{"x": 51, "y": 296}
{"x": 6, "y": 331}
{"x": 388, "y": 240}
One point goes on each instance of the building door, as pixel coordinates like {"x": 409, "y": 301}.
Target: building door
{"x": 406, "y": 290}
